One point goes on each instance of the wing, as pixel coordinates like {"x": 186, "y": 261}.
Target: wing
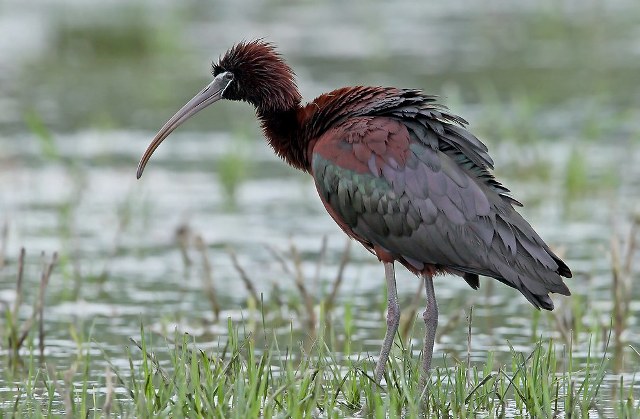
{"x": 420, "y": 191}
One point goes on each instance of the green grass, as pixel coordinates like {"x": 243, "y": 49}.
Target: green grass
{"x": 173, "y": 377}
{"x": 317, "y": 369}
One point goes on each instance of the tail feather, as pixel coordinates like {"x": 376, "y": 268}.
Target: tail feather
{"x": 535, "y": 285}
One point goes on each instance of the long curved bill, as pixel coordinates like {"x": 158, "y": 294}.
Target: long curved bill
{"x": 210, "y": 94}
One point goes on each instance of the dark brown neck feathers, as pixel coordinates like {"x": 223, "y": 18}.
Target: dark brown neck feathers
{"x": 293, "y": 129}
{"x": 285, "y": 135}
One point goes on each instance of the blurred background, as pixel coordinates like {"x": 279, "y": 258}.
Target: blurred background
{"x": 552, "y": 87}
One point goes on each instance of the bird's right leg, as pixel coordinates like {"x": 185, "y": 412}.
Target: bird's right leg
{"x": 393, "y": 320}
{"x": 430, "y": 317}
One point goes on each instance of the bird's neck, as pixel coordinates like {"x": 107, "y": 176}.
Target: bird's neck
{"x": 284, "y": 132}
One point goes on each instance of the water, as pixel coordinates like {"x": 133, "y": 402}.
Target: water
{"x": 554, "y": 95}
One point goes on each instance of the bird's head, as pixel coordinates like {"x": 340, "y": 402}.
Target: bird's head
{"x": 249, "y": 71}
{"x": 259, "y": 76}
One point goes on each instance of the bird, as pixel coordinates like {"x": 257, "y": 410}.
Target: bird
{"x": 399, "y": 173}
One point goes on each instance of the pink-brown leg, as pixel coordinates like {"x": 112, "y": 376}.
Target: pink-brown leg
{"x": 430, "y": 317}
{"x": 393, "y": 320}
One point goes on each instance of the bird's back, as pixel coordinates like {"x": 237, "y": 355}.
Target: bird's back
{"x": 403, "y": 176}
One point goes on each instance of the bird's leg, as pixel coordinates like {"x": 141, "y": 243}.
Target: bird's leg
{"x": 393, "y": 320}
{"x": 430, "y": 317}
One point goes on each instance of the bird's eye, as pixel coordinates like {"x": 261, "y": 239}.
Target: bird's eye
{"x": 228, "y": 76}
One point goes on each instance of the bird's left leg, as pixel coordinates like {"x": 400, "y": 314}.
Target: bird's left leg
{"x": 430, "y": 317}
{"x": 393, "y": 320}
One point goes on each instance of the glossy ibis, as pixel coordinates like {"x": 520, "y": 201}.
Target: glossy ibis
{"x": 399, "y": 173}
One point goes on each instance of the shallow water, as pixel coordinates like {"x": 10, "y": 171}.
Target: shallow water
{"x": 554, "y": 97}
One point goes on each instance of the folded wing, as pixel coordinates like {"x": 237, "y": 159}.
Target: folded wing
{"x": 418, "y": 186}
